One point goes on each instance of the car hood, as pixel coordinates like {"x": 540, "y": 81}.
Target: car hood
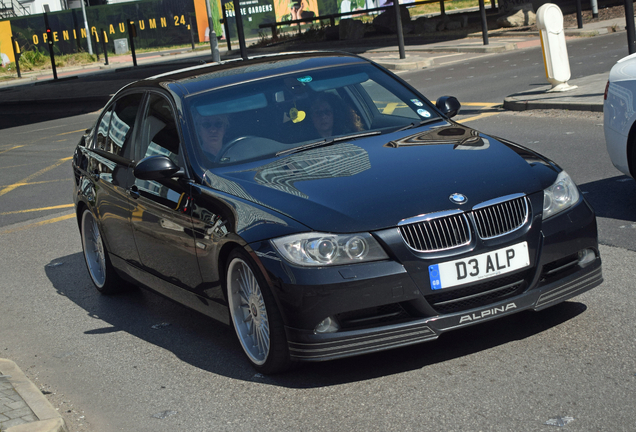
{"x": 373, "y": 183}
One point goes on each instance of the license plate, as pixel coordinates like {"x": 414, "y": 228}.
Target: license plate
{"x": 479, "y": 267}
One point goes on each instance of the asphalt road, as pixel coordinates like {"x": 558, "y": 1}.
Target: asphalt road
{"x": 490, "y": 78}
{"x": 35, "y": 169}
{"x": 138, "y": 362}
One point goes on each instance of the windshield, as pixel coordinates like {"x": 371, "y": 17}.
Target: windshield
{"x": 277, "y": 115}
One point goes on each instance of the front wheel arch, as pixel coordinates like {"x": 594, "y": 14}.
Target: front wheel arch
{"x": 254, "y": 314}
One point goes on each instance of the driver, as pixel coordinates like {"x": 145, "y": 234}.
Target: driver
{"x": 211, "y": 131}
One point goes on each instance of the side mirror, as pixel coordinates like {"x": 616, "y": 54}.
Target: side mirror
{"x": 448, "y": 105}
{"x": 157, "y": 168}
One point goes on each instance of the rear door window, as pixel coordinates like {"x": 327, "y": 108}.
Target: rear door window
{"x": 122, "y": 121}
{"x": 102, "y": 128}
{"x": 159, "y": 133}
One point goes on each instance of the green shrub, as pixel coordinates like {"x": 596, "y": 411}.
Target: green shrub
{"x": 35, "y": 60}
{"x": 30, "y": 60}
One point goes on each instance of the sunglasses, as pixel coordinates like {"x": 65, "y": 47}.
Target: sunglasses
{"x": 217, "y": 124}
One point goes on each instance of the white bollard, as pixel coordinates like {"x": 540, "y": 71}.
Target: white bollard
{"x": 555, "y": 52}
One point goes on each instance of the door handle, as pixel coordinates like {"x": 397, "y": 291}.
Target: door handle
{"x": 133, "y": 192}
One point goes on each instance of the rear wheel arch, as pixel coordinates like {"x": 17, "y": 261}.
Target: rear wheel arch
{"x": 79, "y": 211}
{"x": 101, "y": 271}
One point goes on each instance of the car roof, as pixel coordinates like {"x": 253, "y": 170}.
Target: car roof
{"x": 205, "y": 77}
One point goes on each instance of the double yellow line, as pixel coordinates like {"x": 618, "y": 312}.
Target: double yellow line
{"x": 37, "y": 224}
{"x": 26, "y": 181}
{"x": 480, "y": 116}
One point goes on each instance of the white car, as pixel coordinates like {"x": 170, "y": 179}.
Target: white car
{"x": 619, "y": 108}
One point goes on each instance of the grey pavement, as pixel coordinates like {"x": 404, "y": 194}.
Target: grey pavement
{"x": 587, "y": 96}
{"x": 23, "y": 408}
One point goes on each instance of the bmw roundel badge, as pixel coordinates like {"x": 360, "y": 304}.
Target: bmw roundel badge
{"x": 458, "y": 198}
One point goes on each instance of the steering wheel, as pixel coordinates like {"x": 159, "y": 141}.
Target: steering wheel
{"x": 231, "y": 144}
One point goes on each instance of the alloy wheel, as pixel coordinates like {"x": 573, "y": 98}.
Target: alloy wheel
{"x": 93, "y": 249}
{"x": 249, "y": 313}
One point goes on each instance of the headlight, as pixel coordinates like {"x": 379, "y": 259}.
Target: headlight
{"x": 321, "y": 249}
{"x": 562, "y": 195}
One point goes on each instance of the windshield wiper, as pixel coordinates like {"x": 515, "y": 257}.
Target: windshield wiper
{"x": 326, "y": 142}
{"x": 416, "y": 124}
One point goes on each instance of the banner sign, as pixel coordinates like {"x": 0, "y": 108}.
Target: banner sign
{"x": 158, "y": 23}
{"x": 254, "y": 12}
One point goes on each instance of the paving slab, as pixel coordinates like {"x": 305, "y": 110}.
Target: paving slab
{"x": 588, "y": 96}
{"x": 23, "y": 408}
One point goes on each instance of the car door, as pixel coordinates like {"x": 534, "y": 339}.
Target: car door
{"x": 108, "y": 167}
{"x": 161, "y": 220}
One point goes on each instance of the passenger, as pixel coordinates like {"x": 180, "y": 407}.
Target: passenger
{"x": 211, "y": 130}
{"x": 330, "y": 116}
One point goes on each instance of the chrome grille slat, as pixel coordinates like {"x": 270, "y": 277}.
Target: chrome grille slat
{"x": 422, "y": 243}
{"x": 448, "y": 230}
{"x": 439, "y": 237}
{"x": 447, "y": 233}
{"x": 501, "y": 218}
{"x": 437, "y": 233}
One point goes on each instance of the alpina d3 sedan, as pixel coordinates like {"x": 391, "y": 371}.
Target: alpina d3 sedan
{"x": 323, "y": 208}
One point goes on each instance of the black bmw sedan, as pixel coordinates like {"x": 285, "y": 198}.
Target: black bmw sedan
{"x": 323, "y": 208}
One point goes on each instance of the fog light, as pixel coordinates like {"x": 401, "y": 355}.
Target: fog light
{"x": 586, "y": 256}
{"x": 328, "y": 325}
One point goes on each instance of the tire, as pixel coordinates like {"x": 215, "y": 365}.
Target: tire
{"x": 101, "y": 271}
{"x": 255, "y": 316}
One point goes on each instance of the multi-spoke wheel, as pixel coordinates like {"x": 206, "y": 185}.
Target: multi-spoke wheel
{"x": 99, "y": 267}
{"x": 256, "y": 319}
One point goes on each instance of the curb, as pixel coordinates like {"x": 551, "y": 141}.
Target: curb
{"x": 49, "y": 419}
{"x": 587, "y": 33}
{"x": 485, "y": 49}
{"x": 61, "y": 101}
{"x": 403, "y": 64}
{"x": 513, "y": 104}
{"x": 535, "y": 33}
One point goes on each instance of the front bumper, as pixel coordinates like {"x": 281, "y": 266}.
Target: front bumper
{"x": 307, "y": 346}
{"x": 389, "y": 304}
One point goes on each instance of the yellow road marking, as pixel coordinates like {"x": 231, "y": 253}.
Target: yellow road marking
{"x": 41, "y": 182}
{"x": 12, "y": 148}
{"x": 390, "y": 107}
{"x": 37, "y": 224}
{"x": 37, "y": 209}
{"x": 9, "y": 188}
{"x": 66, "y": 133}
{"x": 39, "y": 130}
{"x": 18, "y": 166}
{"x": 477, "y": 117}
